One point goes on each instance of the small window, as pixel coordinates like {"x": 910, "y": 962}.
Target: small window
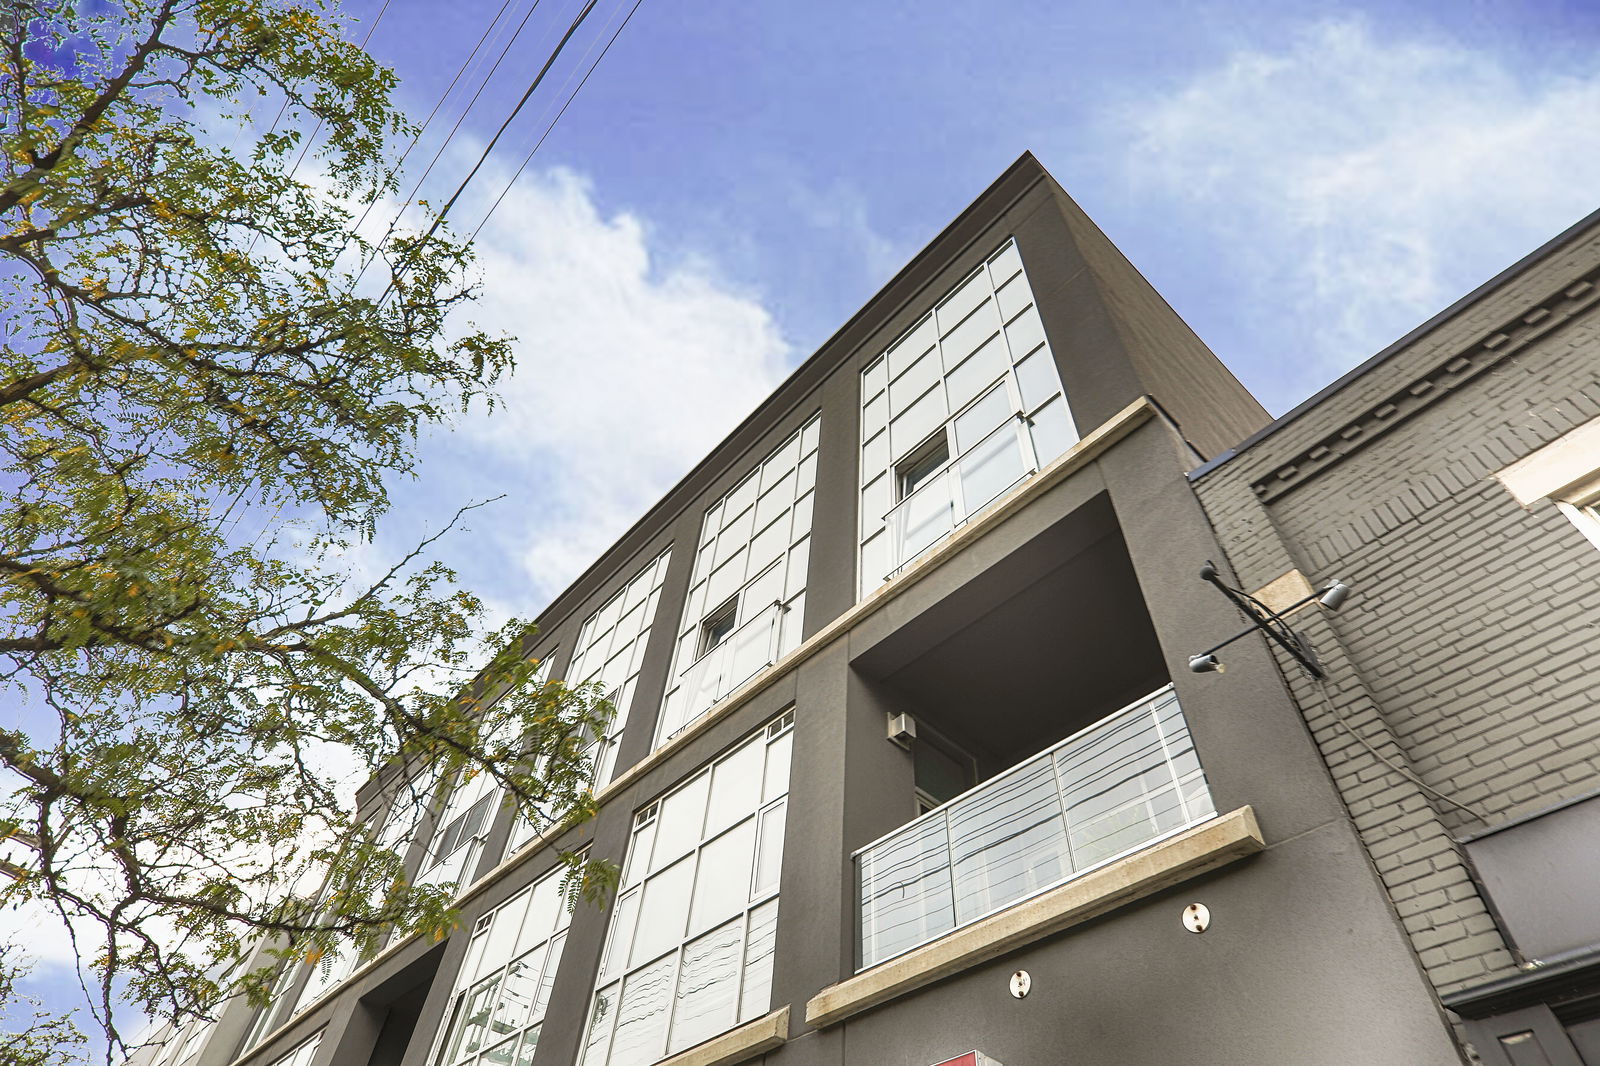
{"x": 460, "y": 830}
{"x": 718, "y": 625}
{"x": 1566, "y": 472}
{"x": 922, "y": 464}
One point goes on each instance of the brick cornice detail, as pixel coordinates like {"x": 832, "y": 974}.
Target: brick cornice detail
{"x": 1489, "y": 350}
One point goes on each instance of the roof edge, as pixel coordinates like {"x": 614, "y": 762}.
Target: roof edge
{"x": 1566, "y": 236}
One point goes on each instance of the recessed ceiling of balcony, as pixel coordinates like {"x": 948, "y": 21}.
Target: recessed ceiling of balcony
{"x": 1043, "y": 643}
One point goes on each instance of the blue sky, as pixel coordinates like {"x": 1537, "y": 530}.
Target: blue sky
{"x": 1303, "y": 182}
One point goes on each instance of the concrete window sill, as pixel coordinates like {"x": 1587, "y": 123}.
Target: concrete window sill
{"x": 1221, "y": 840}
{"x": 737, "y": 1045}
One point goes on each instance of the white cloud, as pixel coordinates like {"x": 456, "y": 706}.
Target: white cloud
{"x": 1365, "y": 180}
{"x": 629, "y": 371}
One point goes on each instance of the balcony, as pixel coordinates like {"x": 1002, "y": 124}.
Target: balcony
{"x": 745, "y": 652}
{"x": 1119, "y": 785}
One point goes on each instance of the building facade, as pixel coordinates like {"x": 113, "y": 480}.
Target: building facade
{"x": 909, "y": 760}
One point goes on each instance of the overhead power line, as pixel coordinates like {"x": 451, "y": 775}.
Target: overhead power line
{"x": 547, "y": 130}
{"x": 483, "y": 156}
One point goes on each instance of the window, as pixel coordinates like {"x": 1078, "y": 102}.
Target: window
{"x": 923, "y": 464}
{"x": 746, "y": 601}
{"x": 302, "y": 1054}
{"x": 611, "y": 648}
{"x": 965, "y": 404}
{"x": 505, "y": 980}
{"x": 1567, "y": 472}
{"x": 689, "y": 951}
{"x": 461, "y": 829}
{"x": 719, "y": 625}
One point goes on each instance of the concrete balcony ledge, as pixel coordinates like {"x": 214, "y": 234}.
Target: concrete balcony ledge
{"x": 737, "y": 1045}
{"x": 1223, "y": 839}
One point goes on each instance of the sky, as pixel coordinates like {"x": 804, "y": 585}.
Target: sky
{"x": 1304, "y": 183}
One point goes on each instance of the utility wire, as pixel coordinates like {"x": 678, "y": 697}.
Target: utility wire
{"x": 461, "y": 71}
{"x": 405, "y": 204}
{"x": 484, "y": 155}
{"x": 568, "y": 103}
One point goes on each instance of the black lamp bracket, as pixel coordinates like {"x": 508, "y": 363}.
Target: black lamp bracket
{"x": 1266, "y": 620}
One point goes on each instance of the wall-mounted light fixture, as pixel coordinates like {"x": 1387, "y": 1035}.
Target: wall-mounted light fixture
{"x": 1268, "y": 621}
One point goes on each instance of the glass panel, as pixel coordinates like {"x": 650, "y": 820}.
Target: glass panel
{"x": 735, "y": 786}
{"x": 722, "y": 887}
{"x": 642, "y": 1015}
{"x": 767, "y": 546}
{"x": 875, "y": 502}
{"x": 973, "y": 424}
{"x": 500, "y": 1054}
{"x": 769, "y": 854}
{"x": 739, "y": 499}
{"x": 621, "y": 933}
{"x": 1037, "y": 378}
{"x": 547, "y": 909}
{"x": 810, "y": 435}
{"x": 919, "y": 420}
{"x": 781, "y": 462}
{"x": 514, "y": 1007}
{"x": 1008, "y": 840}
{"x": 547, "y": 981}
{"x": 1025, "y": 333}
{"x": 874, "y": 378}
{"x": 977, "y": 328}
{"x": 905, "y": 890}
{"x": 806, "y": 473}
{"x": 775, "y": 502}
{"x": 1005, "y": 264}
{"x": 799, "y": 558}
{"x": 775, "y": 781}
{"x": 977, "y": 373}
{"x": 1053, "y": 431}
{"x": 666, "y": 904}
{"x": 874, "y": 416}
{"x": 530, "y": 1044}
{"x": 1013, "y": 297}
{"x": 735, "y": 536}
{"x": 990, "y": 469}
{"x": 791, "y": 621}
{"x": 963, "y": 301}
{"x": 708, "y": 987}
{"x": 922, "y": 518}
{"x": 474, "y": 1019}
{"x": 875, "y": 562}
{"x": 1119, "y": 792}
{"x": 875, "y": 455}
{"x": 601, "y": 1021}
{"x": 801, "y": 524}
{"x": 763, "y": 592}
{"x": 726, "y": 581}
{"x": 756, "y": 997}
{"x": 918, "y": 379}
{"x": 905, "y": 351}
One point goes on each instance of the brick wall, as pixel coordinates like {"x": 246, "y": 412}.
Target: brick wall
{"x": 1459, "y": 693}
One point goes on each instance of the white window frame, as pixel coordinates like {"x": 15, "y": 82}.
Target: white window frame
{"x": 1566, "y": 472}
{"x": 613, "y": 976}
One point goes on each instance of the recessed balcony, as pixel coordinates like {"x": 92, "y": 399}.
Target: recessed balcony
{"x": 1120, "y": 785}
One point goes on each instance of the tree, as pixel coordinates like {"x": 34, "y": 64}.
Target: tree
{"x": 198, "y": 406}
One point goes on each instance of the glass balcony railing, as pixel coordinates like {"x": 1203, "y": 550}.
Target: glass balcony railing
{"x": 972, "y": 480}
{"x": 1119, "y": 785}
{"x": 746, "y": 651}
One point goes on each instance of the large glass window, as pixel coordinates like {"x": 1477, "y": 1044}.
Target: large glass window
{"x": 503, "y": 987}
{"x": 610, "y": 650}
{"x": 963, "y": 406}
{"x": 746, "y": 601}
{"x": 689, "y": 952}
